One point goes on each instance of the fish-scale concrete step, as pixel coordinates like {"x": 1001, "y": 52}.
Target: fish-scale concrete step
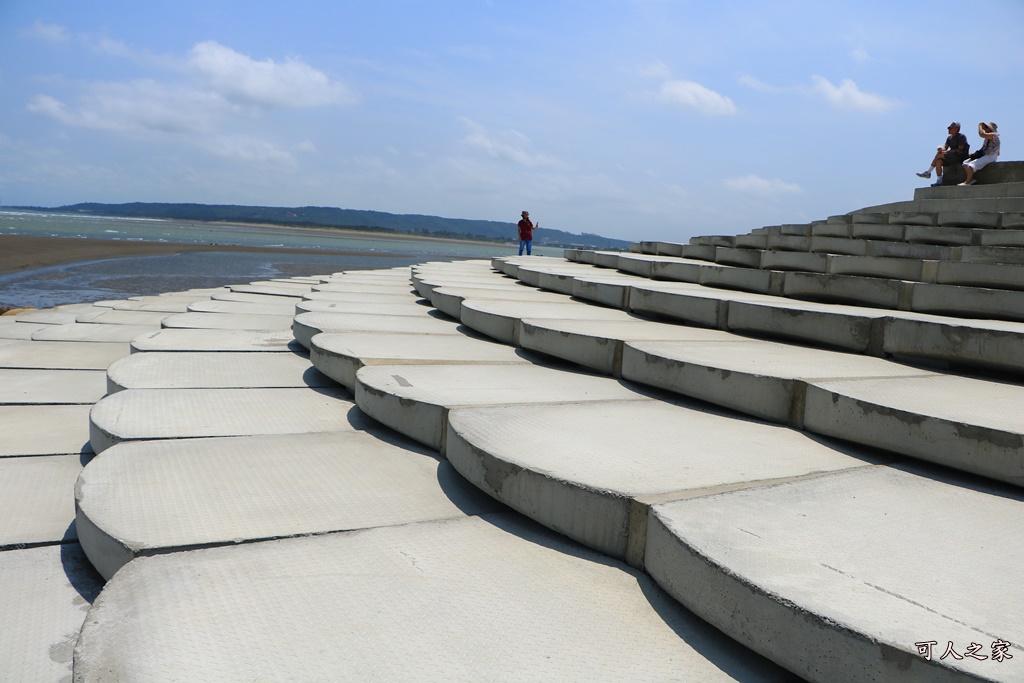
{"x": 384, "y": 308}
{"x": 388, "y": 590}
{"x": 227, "y": 321}
{"x": 213, "y": 370}
{"x": 155, "y": 497}
{"x": 286, "y": 307}
{"x": 307, "y": 325}
{"x": 819, "y": 561}
{"x": 61, "y": 355}
{"x": 216, "y": 340}
{"x": 46, "y": 593}
{"x": 500, "y": 319}
{"x": 415, "y": 399}
{"x": 44, "y": 430}
{"x": 341, "y": 355}
{"x": 34, "y": 503}
{"x": 119, "y": 317}
{"x": 20, "y": 386}
{"x": 449, "y": 300}
{"x": 86, "y": 332}
{"x": 981, "y": 343}
{"x": 148, "y": 414}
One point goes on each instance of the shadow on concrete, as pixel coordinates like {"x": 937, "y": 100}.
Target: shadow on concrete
{"x": 80, "y": 572}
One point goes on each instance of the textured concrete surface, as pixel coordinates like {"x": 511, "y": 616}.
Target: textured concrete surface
{"x": 213, "y": 370}
{"x": 856, "y": 568}
{"x": 44, "y": 429}
{"x": 85, "y": 332}
{"x": 215, "y": 340}
{"x": 146, "y": 414}
{"x": 515, "y": 602}
{"x": 35, "y": 385}
{"x": 341, "y": 355}
{"x": 500, "y": 319}
{"x": 163, "y": 496}
{"x": 589, "y": 470}
{"x": 43, "y": 616}
{"x": 34, "y": 503}
{"x": 307, "y": 325}
{"x": 61, "y": 355}
{"x": 228, "y": 321}
{"x": 414, "y": 399}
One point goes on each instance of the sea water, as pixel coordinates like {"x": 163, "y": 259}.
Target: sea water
{"x": 118, "y": 278}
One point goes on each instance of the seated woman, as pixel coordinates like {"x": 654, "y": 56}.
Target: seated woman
{"x": 986, "y": 155}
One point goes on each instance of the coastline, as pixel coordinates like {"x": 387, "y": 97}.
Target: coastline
{"x": 23, "y": 252}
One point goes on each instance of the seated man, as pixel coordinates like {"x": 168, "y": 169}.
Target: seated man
{"x": 951, "y": 154}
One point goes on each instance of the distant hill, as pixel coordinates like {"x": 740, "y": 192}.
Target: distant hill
{"x": 350, "y": 219}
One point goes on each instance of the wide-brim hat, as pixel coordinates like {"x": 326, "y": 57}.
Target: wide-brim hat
{"x": 992, "y": 126}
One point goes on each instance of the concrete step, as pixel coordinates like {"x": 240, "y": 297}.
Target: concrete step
{"x": 227, "y": 321}
{"x": 500, "y": 319}
{"x": 388, "y": 590}
{"x": 214, "y": 370}
{"x": 401, "y": 309}
{"x": 306, "y": 325}
{"x": 216, "y": 340}
{"x": 20, "y": 386}
{"x": 61, "y": 355}
{"x": 34, "y": 503}
{"x": 148, "y": 498}
{"x": 415, "y": 399}
{"x": 274, "y": 289}
{"x": 148, "y": 414}
{"x": 44, "y": 430}
{"x": 286, "y": 307}
{"x": 85, "y": 332}
{"x": 119, "y": 317}
{"x": 341, "y": 355}
{"x": 449, "y": 300}
{"x": 46, "y": 593}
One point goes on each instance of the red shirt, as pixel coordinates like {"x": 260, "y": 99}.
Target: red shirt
{"x": 525, "y": 230}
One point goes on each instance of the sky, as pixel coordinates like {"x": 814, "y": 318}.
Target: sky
{"x": 634, "y": 119}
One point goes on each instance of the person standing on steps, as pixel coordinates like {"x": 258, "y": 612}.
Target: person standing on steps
{"x": 526, "y": 234}
{"x": 986, "y": 155}
{"x": 953, "y": 152}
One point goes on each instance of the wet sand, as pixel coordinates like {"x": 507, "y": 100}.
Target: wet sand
{"x": 18, "y": 252}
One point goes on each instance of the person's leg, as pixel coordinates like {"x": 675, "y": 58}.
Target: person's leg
{"x": 969, "y": 167}
{"x": 529, "y": 247}
{"x": 522, "y": 245}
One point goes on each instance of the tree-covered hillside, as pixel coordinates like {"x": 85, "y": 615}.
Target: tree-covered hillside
{"x": 324, "y": 216}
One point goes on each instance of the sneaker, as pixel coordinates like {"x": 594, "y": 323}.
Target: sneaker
{"x": 970, "y": 183}
{"x": 937, "y": 183}
{"x": 925, "y": 174}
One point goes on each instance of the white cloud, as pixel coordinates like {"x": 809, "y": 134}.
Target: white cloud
{"x": 266, "y": 83}
{"x": 656, "y": 69}
{"x": 762, "y": 187}
{"x": 511, "y": 145}
{"x": 49, "y": 33}
{"x": 251, "y": 150}
{"x": 695, "y": 96}
{"x": 848, "y": 96}
{"x": 758, "y": 84}
{"x": 860, "y": 54}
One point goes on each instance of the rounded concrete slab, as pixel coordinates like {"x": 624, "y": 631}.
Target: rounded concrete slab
{"x": 449, "y": 299}
{"x": 500, "y": 319}
{"x": 341, "y": 355}
{"x": 590, "y": 470}
{"x": 405, "y": 309}
{"x": 840, "y": 577}
{"x": 20, "y": 330}
{"x": 85, "y": 332}
{"x": 256, "y": 298}
{"x": 759, "y": 378}
{"x": 597, "y": 344}
{"x": 364, "y": 288}
{"x": 415, "y": 399}
{"x": 307, "y": 325}
{"x": 146, "y": 414}
{"x": 275, "y": 289}
{"x": 45, "y": 596}
{"x": 969, "y": 424}
{"x": 227, "y": 321}
{"x": 214, "y": 370}
{"x": 117, "y": 317}
{"x": 243, "y": 307}
{"x": 460, "y": 600}
{"x": 362, "y": 297}
{"x": 34, "y": 504}
{"x": 61, "y": 355}
{"x": 52, "y": 316}
{"x": 157, "y": 304}
{"x": 33, "y": 386}
{"x": 44, "y": 429}
{"x": 215, "y": 340}
{"x": 156, "y": 497}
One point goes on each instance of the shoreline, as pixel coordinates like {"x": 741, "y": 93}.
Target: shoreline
{"x": 25, "y": 252}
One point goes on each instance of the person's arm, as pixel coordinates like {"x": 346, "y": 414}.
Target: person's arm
{"x": 983, "y": 133}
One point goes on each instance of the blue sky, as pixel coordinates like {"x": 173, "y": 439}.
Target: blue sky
{"x": 636, "y": 119}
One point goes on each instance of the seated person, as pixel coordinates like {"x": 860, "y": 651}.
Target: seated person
{"x": 986, "y": 155}
{"x": 952, "y": 153}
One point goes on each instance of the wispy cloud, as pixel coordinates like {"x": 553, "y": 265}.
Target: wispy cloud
{"x": 695, "y": 96}
{"x": 509, "y": 145}
{"x": 49, "y": 33}
{"x": 762, "y": 187}
{"x": 266, "y": 83}
{"x": 847, "y": 95}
